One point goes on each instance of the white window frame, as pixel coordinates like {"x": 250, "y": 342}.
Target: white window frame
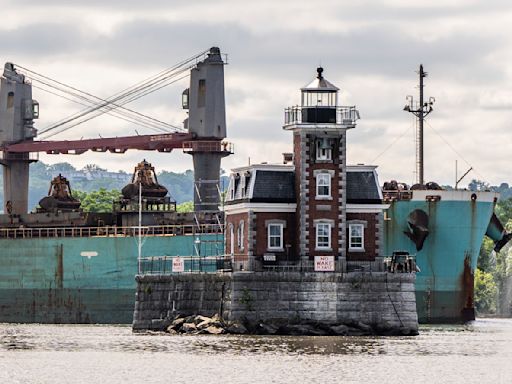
{"x": 231, "y": 239}
{"x": 232, "y": 188}
{"x": 351, "y": 245}
{"x": 242, "y": 186}
{"x": 323, "y": 180}
{"x": 270, "y": 236}
{"x": 323, "y": 153}
{"x": 240, "y": 235}
{"x": 317, "y": 236}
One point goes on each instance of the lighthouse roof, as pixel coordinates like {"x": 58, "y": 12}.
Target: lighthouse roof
{"x": 320, "y": 84}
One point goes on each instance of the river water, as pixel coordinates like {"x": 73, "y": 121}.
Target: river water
{"x": 480, "y": 352}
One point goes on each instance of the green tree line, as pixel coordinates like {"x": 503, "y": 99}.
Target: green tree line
{"x": 180, "y": 185}
{"x": 493, "y": 269}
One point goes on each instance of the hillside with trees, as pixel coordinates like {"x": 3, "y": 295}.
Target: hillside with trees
{"x": 94, "y": 178}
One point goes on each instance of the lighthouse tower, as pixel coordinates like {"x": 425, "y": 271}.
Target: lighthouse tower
{"x": 319, "y": 127}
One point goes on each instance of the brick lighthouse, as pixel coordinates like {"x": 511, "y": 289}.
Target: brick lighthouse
{"x": 319, "y": 129}
{"x": 313, "y": 211}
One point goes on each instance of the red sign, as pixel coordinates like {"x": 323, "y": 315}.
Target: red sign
{"x": 324, "y": 263}
{"x": 178, "y": 264}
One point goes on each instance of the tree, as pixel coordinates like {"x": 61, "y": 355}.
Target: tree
{"x": 485, "y": 292}
{"x": 97, "y": 201}
{"x": 187, "y": 206}
{"x": 486, "y": 261}
{"x": 60, "y": 168}
{"x": 93, "y": 168}
{"x": 504, "y": 210}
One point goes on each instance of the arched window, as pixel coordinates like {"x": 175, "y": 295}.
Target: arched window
{"x": 231, "y": 239}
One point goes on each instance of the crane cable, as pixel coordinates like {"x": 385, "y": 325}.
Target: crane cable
{"x": 115, "y": 113}
{"x": 98, "y": 113}
{"x": 123, "y": 112}
{"x": 128, "y": 91}
{"x": 145, "y": 87}
{"x": 106, "y": 108}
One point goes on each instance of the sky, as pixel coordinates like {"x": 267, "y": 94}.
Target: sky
{"x": 370, "y": 49}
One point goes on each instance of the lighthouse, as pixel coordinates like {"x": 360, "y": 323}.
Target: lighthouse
{"x": 319, "y": 127}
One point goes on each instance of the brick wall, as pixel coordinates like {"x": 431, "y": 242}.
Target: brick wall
{"x": 234, "y": 220}
{"x": 289, "y": 233}
{"x": 371, "y": 236}
{"x": 309, "y": 208}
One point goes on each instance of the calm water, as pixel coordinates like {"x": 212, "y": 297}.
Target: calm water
{"x": 477, "y": 353}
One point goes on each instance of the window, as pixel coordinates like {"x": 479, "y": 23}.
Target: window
{"x": 323, "y": 185}
{"x": 323, "y": 149}
{"x": 201, "y": 93}
{"x": 232, "y": 187}
{"x": 231, "y": 239}
{"x": 10, "y": 100}
{"x": 242, "y": 185}
{"x": 275, "y": 236}
{"x": 240, "y": 236}
{"x": 323, "y": 236}
{"x": 356, "y": 237}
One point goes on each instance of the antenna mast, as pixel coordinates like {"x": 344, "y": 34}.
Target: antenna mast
{"x": 420, "y": 109}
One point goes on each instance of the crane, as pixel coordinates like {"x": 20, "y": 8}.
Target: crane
{"x": 202, "y": 136}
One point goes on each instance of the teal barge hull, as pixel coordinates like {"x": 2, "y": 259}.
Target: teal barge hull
{"x": 457, "y": 222}
{"x": 52, "y": 280}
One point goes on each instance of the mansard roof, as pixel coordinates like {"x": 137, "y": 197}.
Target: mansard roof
{"x": 363, "y": 185}
{"x": 262, "y": 183}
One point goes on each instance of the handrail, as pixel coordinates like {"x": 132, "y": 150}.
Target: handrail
{"x": 344, "y": 115}
{"x": 111, "y": 231}
{"x": 163, "y": 265}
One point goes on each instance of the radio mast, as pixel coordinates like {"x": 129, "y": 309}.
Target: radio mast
{"x": 420, "y": 109}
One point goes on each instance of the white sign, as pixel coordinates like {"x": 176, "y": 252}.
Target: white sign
{"x": 88, "y": 254}
{"x": 178, "y": 264}
{"x": 324, "y": 263}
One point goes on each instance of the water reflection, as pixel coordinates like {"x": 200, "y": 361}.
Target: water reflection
{"x": 464, "y": 340}
{"x": 292, "y": 345}
{"x": 10, "y": 339}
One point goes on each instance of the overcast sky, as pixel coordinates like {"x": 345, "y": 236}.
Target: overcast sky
{"x": 370, "y": 49}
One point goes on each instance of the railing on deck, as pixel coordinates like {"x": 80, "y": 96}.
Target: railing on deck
{"x": 111, "y": 231}
{"x": 165, "y": 265}
{"x": 161, "y": 265}
{"x": 401, "y": 262}
{"x": 347, "y": 115}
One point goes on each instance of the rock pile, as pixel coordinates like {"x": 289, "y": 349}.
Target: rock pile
{"x": 198, "y": 325}
{"x": 215, "y": 325}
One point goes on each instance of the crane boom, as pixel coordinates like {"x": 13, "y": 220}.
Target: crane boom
{"x": 161, "y": 143}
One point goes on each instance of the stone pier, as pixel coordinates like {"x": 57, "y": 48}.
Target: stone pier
{"x": 383, "y": 301}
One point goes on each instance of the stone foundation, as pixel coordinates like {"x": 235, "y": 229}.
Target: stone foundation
{"x": 384, "y": 302}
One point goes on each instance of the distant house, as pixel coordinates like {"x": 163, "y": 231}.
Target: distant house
{"x": 313, "y": 209}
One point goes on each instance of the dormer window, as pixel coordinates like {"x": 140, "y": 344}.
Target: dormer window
{"x": 232, "y": 188}
{"x": 242, "y": 186}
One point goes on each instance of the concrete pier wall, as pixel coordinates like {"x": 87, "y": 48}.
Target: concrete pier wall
{"x": 379, "y": 300}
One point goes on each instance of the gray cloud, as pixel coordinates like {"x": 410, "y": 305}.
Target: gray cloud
{"x": 368, "y": 49}
{"x": 42, "y": 39}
